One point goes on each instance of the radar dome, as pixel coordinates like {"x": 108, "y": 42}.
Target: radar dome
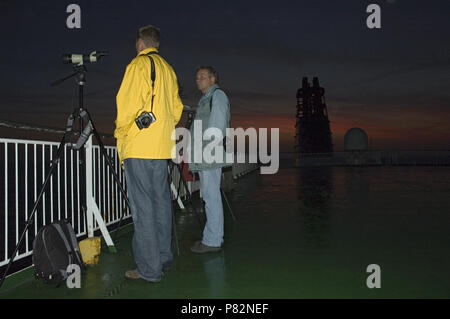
{"x": 356, "y": 140}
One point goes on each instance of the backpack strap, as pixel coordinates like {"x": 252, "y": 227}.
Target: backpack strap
{"x": 73, "y": 242}
{"x": 211, "y": 101}
{"x": 71, "y": 246}
{"x": 63, "y": 236}
{"x": 46, "y": 249}
{"x": 210, "y": 109}
{"x": 72, "y": 236}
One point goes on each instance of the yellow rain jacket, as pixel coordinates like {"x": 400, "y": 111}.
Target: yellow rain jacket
{"x": 134, "y": 97}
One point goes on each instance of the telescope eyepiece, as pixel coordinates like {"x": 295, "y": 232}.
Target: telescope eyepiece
{"x": 67, "y": 58}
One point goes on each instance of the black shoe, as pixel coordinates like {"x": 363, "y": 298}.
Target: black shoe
{"x": 200, "y": 248}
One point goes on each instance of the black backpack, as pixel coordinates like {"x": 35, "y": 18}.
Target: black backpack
{"x": 54, "y": 248}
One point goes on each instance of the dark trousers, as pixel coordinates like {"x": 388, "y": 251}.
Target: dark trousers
{"x": 151, "y": 209}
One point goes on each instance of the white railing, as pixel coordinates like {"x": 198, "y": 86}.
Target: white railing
{"x": 26, "y": 164}
{"x": 241, "y": 169}
{"x": 372, "y": 157}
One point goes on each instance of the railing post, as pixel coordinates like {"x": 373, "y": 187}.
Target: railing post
{"x": 92, "y": 210}
{"x": 89, "y": 210}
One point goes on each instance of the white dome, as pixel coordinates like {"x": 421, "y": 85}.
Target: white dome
{"x": 356, "y": 140}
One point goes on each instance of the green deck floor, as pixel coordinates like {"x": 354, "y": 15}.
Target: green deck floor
{"x": 302, "y": 233}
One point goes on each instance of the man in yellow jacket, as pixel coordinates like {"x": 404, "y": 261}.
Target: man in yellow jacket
{"x": 148, "y": 108}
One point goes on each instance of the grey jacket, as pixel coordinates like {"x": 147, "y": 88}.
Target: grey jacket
{"x": 218, "y": 117}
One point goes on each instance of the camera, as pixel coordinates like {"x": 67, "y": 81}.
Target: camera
{"x": 145, "y": 119}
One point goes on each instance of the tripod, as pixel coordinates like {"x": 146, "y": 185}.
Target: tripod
{"x": 182, "y": 180}
{"x": 191, "y": 116}
{"x": 92, "y": 210}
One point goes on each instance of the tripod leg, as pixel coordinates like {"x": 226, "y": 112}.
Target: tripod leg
{"x": 33, "y": 211}
{"x": 111, "y": 167}
{"x": 178, "y": 199}
{"x": 189, "y": 197}
{"x": 174, "y": 226}
{"x": 228, "y": 204}
{"x": 175, "y": 190}
{"x": 174, "y": 230}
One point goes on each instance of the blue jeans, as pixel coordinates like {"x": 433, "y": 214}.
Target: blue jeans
{"x": 151, "y": 209}
{"x": 210, "y": 186}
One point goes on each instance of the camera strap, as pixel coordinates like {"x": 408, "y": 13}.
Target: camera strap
{"x": 210, "y": 109}
{"x": 211, "y": 101}
{"x": 152, "y": 76}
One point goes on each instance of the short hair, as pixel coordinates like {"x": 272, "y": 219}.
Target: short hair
{"x": 211, "y": 70}
{"x": 150, "y": 35}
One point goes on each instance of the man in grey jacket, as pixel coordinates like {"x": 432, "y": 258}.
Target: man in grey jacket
{"x": 213, "y": 112}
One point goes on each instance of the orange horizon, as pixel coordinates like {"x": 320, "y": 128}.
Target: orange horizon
{"x": 381, "y": 135}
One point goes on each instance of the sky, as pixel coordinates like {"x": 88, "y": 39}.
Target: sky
{"x": 393, "y": 82}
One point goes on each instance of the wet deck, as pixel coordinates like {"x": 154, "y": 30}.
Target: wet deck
{"x": 302, "y": 233}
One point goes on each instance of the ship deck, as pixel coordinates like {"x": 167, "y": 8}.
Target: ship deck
{"x": 301, "y": 233}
